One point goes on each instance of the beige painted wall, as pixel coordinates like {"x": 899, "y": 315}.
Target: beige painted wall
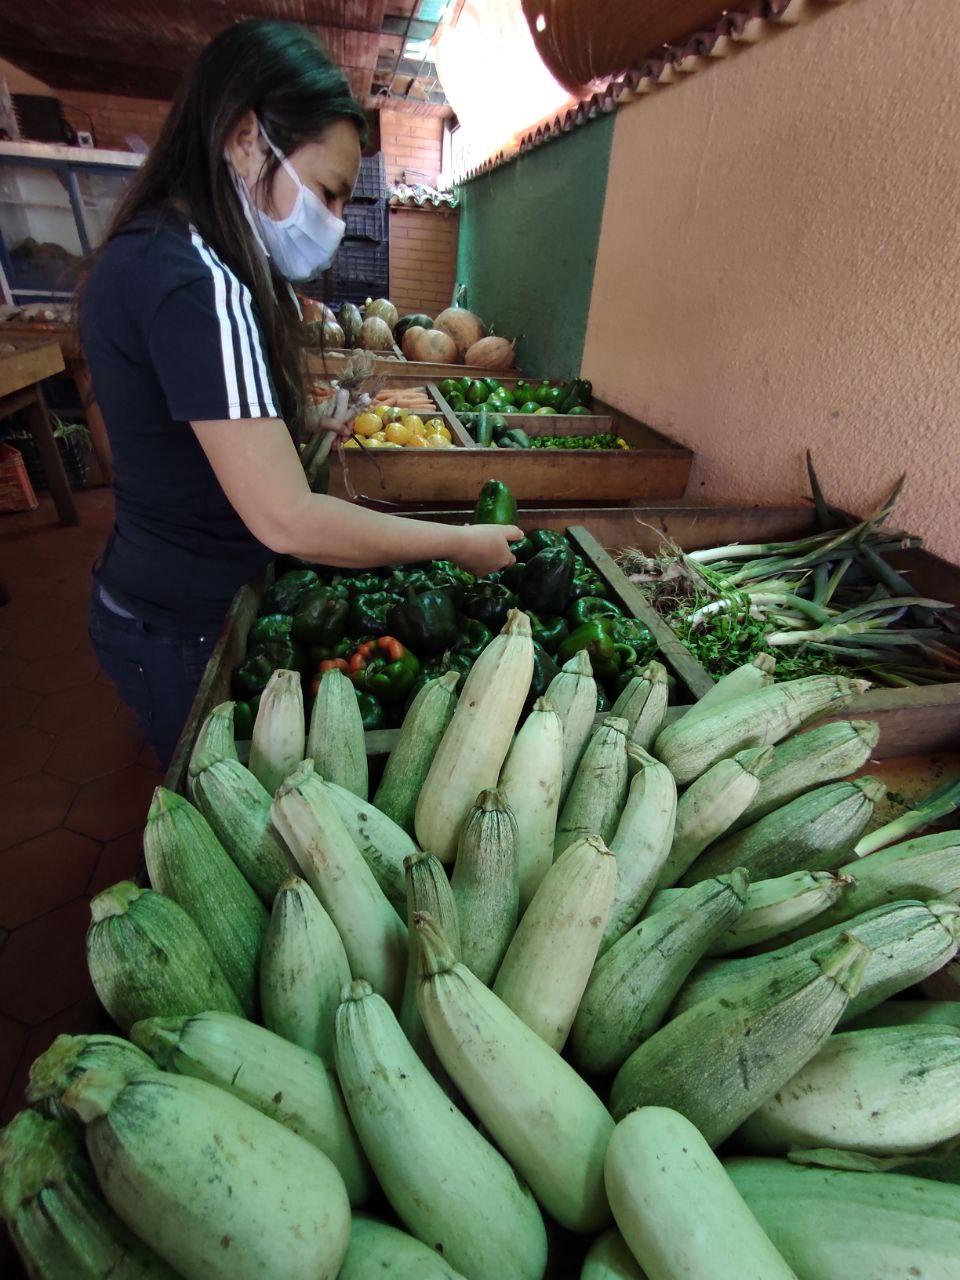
{"x": 779, "y": 264}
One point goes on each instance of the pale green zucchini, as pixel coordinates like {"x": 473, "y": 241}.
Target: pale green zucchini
{"x": 815, "y": 832}
{"x": 709, "y": 806}
{"x": 530, "y": 783}
{"x": 810, "y": 759}
{"x": 720, "y": 1060}
{"x": 609, "y": 1259}
{"x": 381, "y": 1252}
{"x": 147, "y": 958}
{"x": 486, "y": 886}
{"x": 688, "y": 747}
{"x": 201, "y": 1178}
{"x": 335, "y": 743}
{"x": 641, "y": 842}
{"x": 59, "y": 1222}
{"x": 552, "y": 953}
{"x": 743, "y": 681}
{"x": 832, "y": 1225}
{"x": 882, "y": 1091}
{"x": 69, "y": 1057}
{"x": 573, "y": 695}
{"x": 374, "y": 937}
{"x": 215, "y": 742}
{"x": 383, "y": 843}
{"x": 279, "y": 731}
{"x": 634, "y": 983}
{"x": 409, "y": 762}
{"x": 286, "y": 1083}
{"x": 549, "y": 1123}
{"x": 237, "y": 809}
{"x": 446, "y": 1183}
{"x": 598, "y": 793}
{"x": 908, "y": 1013}
{"x": 677, "y": 1208}
{"x": 643, "y": 704}
{"x": 476, "y": 741}
{"x": 187, "y": 862}
{"x": 428, "y": 890}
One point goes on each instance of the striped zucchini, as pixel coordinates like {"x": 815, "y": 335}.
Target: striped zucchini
{"x": 549, "y": 960}
{"x": 200, "y": 1177}
{"x": 573, "y": 695}
{"x": 215, "y": 741}
{"x": 641, "y": 842}
{"x": 815, "y": 832}
{"x": 383, "y": 843}
{"x": 485, "y": 884}
{"x": 62, "y": 1227}
{"x": 237, "y": 809}
{"x": 476, "y": 741}
{"x": 688, "y": 747}
{"x": 634, "y": 983}
{"x": 303, "y": 968}
{"x": 380, "y": 1252}
{"x": 286, "y": 1083}
{"x": 445, "y": 1182}
{"x": 677, "y": 1208}
{"x": 773, "y": 908}
{"x": 428, "y": 890}
{"x": 720, "y": 1060}
{"x": 643, "y": 704}
{"x": 187, "y": 862}
{"x": 409, "y": 762}
{"x": 810, "y": 759}
{"x": 883, "y": 1091}
{"x": 610, "y": 1259}
{"x": 907, "y": 941}
{"x": 709, "y": 807}
{"x": 374, "y": 936}
{"x": 550, "y": 1124}
{"x": 832, "y": 1225}
{"x": 279, "y": 732}
{"x": 147, "y": 958}
{"x": 335, "y": 743}
{"x": 908, "y": 1013}
{"x": 598, "y": 792}
{"x": 530, "y": 783}
{"x": 69, "y": 1057}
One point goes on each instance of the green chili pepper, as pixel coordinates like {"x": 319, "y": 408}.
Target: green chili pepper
{"x": 425, "y": 622}
{"x": 473, "y": 639}
{"x": 273, "y": 626}
{"x": 496, "y": 504}
{"x": 547, "y": 580}
{"x": 549, "y": 631}
{"x": 289, "y": 591}
{"x": 489, "y": 603}
{"x": 601, "y": 648}
{"x": 586, "y": 608}
{"x": 391, "y": 673}
{"x": 368, "y": 613}
{"x": 371, "y": 711}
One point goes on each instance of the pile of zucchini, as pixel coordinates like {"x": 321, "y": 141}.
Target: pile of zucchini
{"x": 628, "y": 974}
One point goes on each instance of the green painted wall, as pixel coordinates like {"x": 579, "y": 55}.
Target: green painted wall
{"x": 528, "y": 244}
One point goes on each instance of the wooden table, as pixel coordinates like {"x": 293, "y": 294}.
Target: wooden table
{"x": 21, "y": 373}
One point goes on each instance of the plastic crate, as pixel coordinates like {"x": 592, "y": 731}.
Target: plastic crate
{"x": 358, "y": 291}
{"x": 72, "y": 454}
{"x": 16, "y": 491}
{"x": 358, "y": 260}
{"x": 366, "y": 221}
{"x": 372, "y": 179}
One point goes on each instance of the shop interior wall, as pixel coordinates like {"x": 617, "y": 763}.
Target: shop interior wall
{"x": 779, "y": 264}
{"x": 528, "y": 244}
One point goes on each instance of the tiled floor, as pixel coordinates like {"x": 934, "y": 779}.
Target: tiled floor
{"x": 75, "y": 782}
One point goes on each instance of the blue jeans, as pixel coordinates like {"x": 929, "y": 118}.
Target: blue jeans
{"x": 156, "y": 671}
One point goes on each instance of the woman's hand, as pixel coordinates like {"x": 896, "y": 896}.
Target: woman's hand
{"x": 336, "y": 414}
{"x": 485, "y": 547}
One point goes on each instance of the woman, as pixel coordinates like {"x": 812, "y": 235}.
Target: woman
{"x": 191, "y": 331}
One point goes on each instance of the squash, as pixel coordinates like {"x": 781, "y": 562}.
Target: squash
{"x": 429, "y": 344}
{"x": 383, "y": 309}
{"x": 314, "y": 312}
{"x": 333, "y": 335}
{"x": 375, "y": 335}
{"x": 491, "y": 353}
{"x": 408, "y": 322}
{"x": 463, "y": 327}
{"x": 350, "y": 322}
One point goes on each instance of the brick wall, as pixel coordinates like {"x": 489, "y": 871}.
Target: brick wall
{"x": 411, "y": 146}
{"x": 423, "y": 259}
{"x": 114, "y": 116}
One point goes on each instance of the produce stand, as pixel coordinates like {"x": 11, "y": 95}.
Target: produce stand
{"x": 21, "y": 372}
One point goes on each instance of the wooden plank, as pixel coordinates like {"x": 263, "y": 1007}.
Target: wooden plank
{"x": 912, "y": 721}
{"x": 460, "y": 434}
{"x": 66, "y": 337}
{"x": 29, "y": 364}
{"x": 676, "y": 654}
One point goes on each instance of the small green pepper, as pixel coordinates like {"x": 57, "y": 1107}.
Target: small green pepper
{"x": 547, "y": 580}
{"x": 496, "y": 504}
{"x": 251, "y": 676}
{"x": 272, "y": 626}
{"x": 425, "y": 622}
{"x": 371, "y": 711}
{"x": 390, "y": 674}
{"x": 368, "y": 613}
{"x": 601, "y": 648}
{"x": 321, "y": 618}
{"x": 289, "y": 591}
{"x": 586, "y": 608}
{"x": 550, "y": 631}
{"x": 489, "y": 603}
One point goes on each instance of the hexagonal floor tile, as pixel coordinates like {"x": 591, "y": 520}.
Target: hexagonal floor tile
{"x": 113, "y": 805}
{"x": 16, "y": 707}
{"x": 56, "y": 675}
{"x": 42, "y": 874}
{"x": 76, "y": 709}
{"x": 120, "y": 859}
{"x": 101, "y": 748}
{"x": 32, "y": 805}
{"x": 84, "y": 1016}
{"x": 23, "y": 751}
{"x": 43, "y": 966}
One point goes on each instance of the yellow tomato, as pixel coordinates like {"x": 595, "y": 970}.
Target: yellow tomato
{"x": 437, "y": 442}
{"x": 390, "y": 444}
{"x": 382, "y": 411}
{"x": 393, "y": 415}
{"x": 367, "y": 424}
{"x": 351, "y": 443}
{"x": 413, "y": 422}
{"x": 433, "y": 426}
{"x": 374, "y": 442}
{"x": 416, "y": 442}
{"x": 398, "y": 433}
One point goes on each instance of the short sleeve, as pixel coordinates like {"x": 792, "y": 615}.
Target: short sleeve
{"x": 207, "y": 350}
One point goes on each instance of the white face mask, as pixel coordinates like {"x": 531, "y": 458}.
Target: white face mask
{"x": 305, "y": 241}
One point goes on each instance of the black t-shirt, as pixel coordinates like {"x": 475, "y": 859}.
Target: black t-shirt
{"x": 172, "y": 336}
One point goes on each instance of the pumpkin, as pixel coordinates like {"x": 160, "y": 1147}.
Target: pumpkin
{"x": 350, "y": 322}
{"x": 315, "y": 312}
{"x": 429, "y": 344}
{"x": 375, "y": 335}
{"x": 333, "y": 335}
{"x": 383, "y": 309}
{"x": 407, "y": 322}
{"x": 491, "y": 353}
{"x": 463, "y": 327}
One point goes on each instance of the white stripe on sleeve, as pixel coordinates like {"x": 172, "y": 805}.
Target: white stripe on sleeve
{"x": 269, "y": 408}
{"x": 218, "y": 272}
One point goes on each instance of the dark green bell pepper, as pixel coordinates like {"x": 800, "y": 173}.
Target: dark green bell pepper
{"x": 473, "y": 638}
{"x": 371, "y": 711}
{"x": 489, "y": 603}
{"x": 588, "y": 584}
{"x": 523, "y": 550}
{"x": 251, "y": 677}
{"x": 321, "y": 618}
{"x": 324, "y": 652}
{"x": 586, "y": 608}
{"x": 511, "y": 576}
{"x": 540, "y": 539}
{"x": 599, "y": 643}
{"x": 243, "y": 718}
{"x": 578, "y": 395}
{"x": 368, "y": 613}
{"x": 364, "y": 584}
{"x": 547, "y": 580}
{"x": 496, "y": 504}
{"x": 289, "y": 591}
{"x": 636, "y": 634}
{"x": 544, "y": 670}
{"x": 284, "y": 653}
{"x": 272, "y": 626}
{"x": 425, "y": 622}
{"x": 390, "y": 675}
{"x": 459, "y": 662}
{"x": 603, "y": 698}
{"x": 549, "y": 631}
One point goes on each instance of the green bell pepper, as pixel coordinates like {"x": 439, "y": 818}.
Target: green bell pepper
{"x": 578, "y": 396}
{"x": 289, "y": 591}
{"x": 321, "y": 618}
{"x": 540, "y": 539}
{"x": 371, "y": 711}
{"x": 550, "y": 631}
{"x": 635, "y": 634}
{"x": 324, "y": 652}
{"x": 540, "y": 395}
{"x": 243, "y": 718}
{"x": 522, "y": 391}
{"x": 390, "y": 675}
{"x": 284, "y": 653}
{"x": 524, "y": 550}
{"x": 586, "y": 608}
{"x": 547, "y": 580}
{"x": 496, "y": 504}
{"x": 270, "y": 627}
{"x": 251, "y": 677}
{"x": 544, "y": 670}
{"x": 489, "y": 603}
{"x": 473, "y": 639}
{"x": 365, "y": 584}
{"x": 368, "y": 613}
{"x": 603, "y": 698}
{"x": 511, "y": 576}
{"x": 460, "y": 662}
{"x": 425, "y": 622}
{"x": 599, "y": 643}
{"x": 588, "y": 583}
{"x": 430, "y": 669}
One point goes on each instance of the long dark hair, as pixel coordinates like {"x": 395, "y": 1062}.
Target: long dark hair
{"x": 280, "y": 71}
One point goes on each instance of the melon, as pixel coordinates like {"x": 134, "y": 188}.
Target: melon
{"x": 463, "y": 327}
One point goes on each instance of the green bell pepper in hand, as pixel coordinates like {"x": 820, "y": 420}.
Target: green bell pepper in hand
{"x": 496, "y": 505}
{"x": 321, "y": 618}
{"x": 586, "y": 608}
{"x": 289, "y": 591}
{"x": 547, "y": 580}
{"x": 599, "y": 643}
{"x": 390, "y": 673}
{"x": 473, "y": 638}
{"x": 426, "y": 623}
{"x": 489, "y": 603}
{"x": 368, "y": 612}
{"x": 550, "y": 631}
